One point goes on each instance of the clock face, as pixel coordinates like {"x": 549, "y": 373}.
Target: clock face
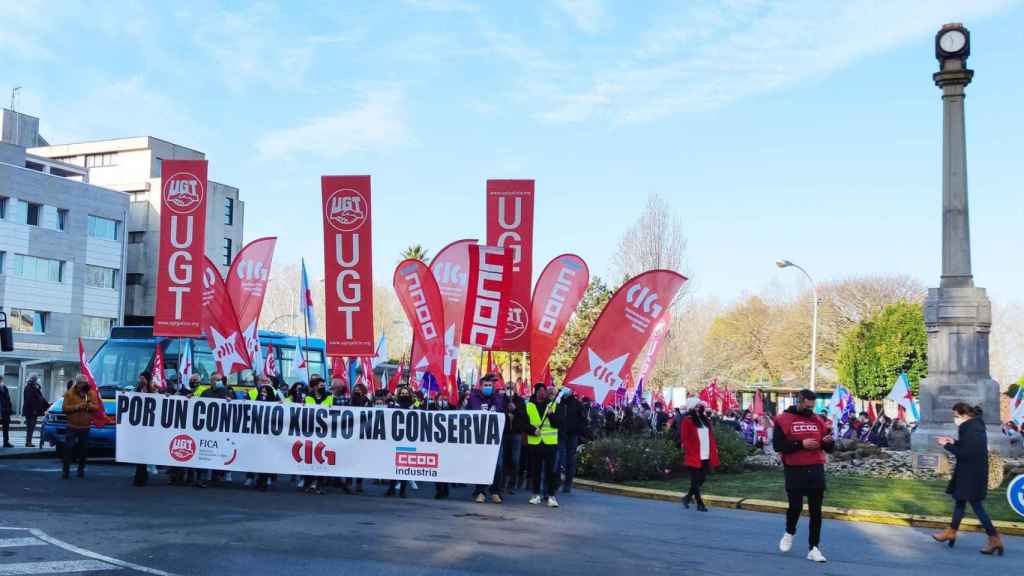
{"x": 952, "y": 41}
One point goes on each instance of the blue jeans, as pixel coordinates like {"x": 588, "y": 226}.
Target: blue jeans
{"x": 565, "y": 460}
{"x": 979, "y": 510}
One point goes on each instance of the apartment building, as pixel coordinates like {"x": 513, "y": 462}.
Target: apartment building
{"x": 62, "y": 259}
{"x": 132, "y": 166}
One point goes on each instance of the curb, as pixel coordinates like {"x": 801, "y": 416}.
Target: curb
{"x": 832, "y": 513}
{"x": 27, "y": 453}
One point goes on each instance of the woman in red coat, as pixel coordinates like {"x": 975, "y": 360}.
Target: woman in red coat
{"x": 700, "y": 452}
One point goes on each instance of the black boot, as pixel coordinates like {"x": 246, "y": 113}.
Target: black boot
{"x": 700, "y": 505}
{"x": 687, "y": 499}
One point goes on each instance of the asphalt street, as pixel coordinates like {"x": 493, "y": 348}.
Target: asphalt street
{"x": 103, "y": 525}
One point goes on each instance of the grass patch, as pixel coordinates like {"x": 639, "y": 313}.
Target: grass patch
{"x": 881, "y": 494}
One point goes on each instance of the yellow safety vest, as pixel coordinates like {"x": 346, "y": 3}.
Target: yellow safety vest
{"x": 198, "y": 392}
{"x": 548, "y": 433}
{"x": 252, "y": 394}
{"x": 328, "y": 401}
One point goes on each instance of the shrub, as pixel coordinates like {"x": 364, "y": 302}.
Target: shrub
{"x": 630, "y": 458}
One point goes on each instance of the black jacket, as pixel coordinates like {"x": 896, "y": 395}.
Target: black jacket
{"x": 6, "y": 408}
{"x": 970, "y": 476}
{"x": 517, "y": 419}
{"x": 35, "y": 404}
{"x": 571, "y": 419}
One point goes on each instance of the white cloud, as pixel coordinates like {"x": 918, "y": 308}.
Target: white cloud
{"x": 588, "y": 15}
{"x": 712, "y": 55}
{"x": 377, "y": 123}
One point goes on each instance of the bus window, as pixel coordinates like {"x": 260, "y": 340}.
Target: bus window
{"x": 291, "y": 373}
{"x": 118, "y": 363}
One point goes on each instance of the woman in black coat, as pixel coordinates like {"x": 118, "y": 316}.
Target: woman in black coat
{"x": 970, "y": 476}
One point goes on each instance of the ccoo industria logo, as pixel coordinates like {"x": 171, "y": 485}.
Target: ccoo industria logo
{"x": 183, "y": 193}
{"x": 346, "y": 210}
{"x": 411, "y": 462}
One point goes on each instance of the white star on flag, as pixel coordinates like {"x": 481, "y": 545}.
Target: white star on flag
{"x": 225, "y": 351}
{"x": 252, "y": 344}
{"x": 599, "y": 374}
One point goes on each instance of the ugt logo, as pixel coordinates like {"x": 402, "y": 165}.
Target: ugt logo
{"x": 308, "y": 453}
{"x": 409, "y": 457}
{"x": 346, "y": 210}
{"x": 182, "y": 448}
{"x": 645, "y": 307}
{"x": 183, "y": 193}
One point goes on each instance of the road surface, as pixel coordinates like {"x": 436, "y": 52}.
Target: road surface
{"x": 103, "y": 525}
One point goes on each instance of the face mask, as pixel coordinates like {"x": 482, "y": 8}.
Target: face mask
{"x": 958, "y": 420}
{"x": 487, "y": 390}
{"x": 219, "y": 385}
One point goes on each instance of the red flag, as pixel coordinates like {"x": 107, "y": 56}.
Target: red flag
{"x": 348, "y": 264}
{"x": 221, "y": 325}
{"x": 270, "y": 364}
{"x": 493, "y": 368}
{"x": 393, "y": 383}
{"x": 368, "y": 374}
{"x": 758, "y": 403}
{"x": 559, "y": 290}
{"x": 159, "y": 379}
{"x": 99, "y": 417}
{"x": 871, "y": 411}
{"x": 620, "y": 333}
{"x": 451, "y": 270}
{"x": 490, "y": 268}
{"x": 339, "y": 370}
{"x": 179, "y": 287}
{"x": 510, "y": 225}
{"x": 421, "y": 300}
{"x": 247, "y": 285}
{"x": 548, "y": 380}
{"x": 901, "y": 412}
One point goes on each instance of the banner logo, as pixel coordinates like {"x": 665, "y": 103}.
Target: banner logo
{"x": 183, "y": 193}
{"x": 644, "y": 307}
{"x": 309, "y": 453}
{"x": 182, "y": 448}
{"x": 407, "y": 457}
{"x": 517, "y": 320}
{"x": 1015, "y": 494}
{"x": 346, "y": 210}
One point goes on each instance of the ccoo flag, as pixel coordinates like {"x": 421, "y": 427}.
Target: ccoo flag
{"x": 559, "y": 290}
{"x": 420, "y": 297}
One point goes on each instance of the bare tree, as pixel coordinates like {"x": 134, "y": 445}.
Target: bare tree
{"x": 654, "y": 241}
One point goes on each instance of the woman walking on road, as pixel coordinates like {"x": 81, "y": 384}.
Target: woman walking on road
{"x": 970, "y": 476}
{"x": 700, "y": 451}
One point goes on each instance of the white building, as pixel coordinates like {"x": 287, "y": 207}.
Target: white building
{"x": 62, "y": 258}
{"x": 132, "y": 166}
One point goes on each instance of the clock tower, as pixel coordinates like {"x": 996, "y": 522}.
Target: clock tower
{"x": 957, "y": 314}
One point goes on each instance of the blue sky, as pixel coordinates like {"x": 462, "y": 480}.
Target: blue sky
{"x": 800, "y": 130}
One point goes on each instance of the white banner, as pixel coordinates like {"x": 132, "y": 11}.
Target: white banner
{"x": 269, "y": 437}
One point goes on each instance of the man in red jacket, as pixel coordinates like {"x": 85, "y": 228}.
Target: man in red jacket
{"x": 802, "y": 438}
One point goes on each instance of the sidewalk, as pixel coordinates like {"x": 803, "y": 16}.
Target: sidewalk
{"x": 20, "y": 451}
{"x": 832, "y": 513}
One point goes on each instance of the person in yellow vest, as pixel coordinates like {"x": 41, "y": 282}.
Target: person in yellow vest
{"x": 317, "y": 393}
{"x": 542, "y": 441}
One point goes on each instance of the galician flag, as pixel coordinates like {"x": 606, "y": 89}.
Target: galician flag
{"x": 838, "y": 407}
{"x": 901, "y": 395}
{"x": 381, "y": 354}
{"x": 185, "y": 372}
{"x": 1017, "y": 407}
{"x": 306, "y": 300}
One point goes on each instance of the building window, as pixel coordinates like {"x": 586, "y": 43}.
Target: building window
{"x": 31, "y": 321}
{"x": 136, "y": 237}
{"x": 42, "y": 269}
{"x": 229, "y": 211}
{"x": 133, "y": 279}
{"x": 28, "y": 213}
{"x": 100, "y": 160}
{"x": 95, "y": 327}
{"x": 62, "y": 219}
{"x": 158, "y": 166}
{"x": 3, "y": 207}
{"x": 100, "y": 277}
{"x": 3, "y": 261}
{"x": 227, "y": 251}
{"x": 103, "y": 228}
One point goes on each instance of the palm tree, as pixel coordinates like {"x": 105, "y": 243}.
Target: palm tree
{"x": 416, "y": 252}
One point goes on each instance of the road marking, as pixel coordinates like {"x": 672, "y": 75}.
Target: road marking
{"x": 16, "y": 542}
{"x": 54, "y": 567}
{"x": 90, "y": 554}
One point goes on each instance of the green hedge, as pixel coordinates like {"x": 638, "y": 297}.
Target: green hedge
{"x": 629, "y": 458}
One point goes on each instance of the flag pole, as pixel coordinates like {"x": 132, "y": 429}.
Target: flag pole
{"x": 305, "y": 343}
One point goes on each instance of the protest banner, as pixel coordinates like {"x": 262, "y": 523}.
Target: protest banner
{"x": 273, "y": 438}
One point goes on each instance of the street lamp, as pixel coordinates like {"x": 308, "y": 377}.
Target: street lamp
{"x": 814, "y": 321}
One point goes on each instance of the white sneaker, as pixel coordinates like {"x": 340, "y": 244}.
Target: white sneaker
{"x": 270, "y": 483}
{"x": 248, "y": 483}
{"x": 227, "y": 477}
{"x": 480, "y": 498}
{"x": 815, "y": 555}
{"x": 786, "y": 544}
{"x": 301, "y": 483}
{"x": 552, "y": 503}
{"x": 535, "y": 499}
{"x": 413, "y": 485}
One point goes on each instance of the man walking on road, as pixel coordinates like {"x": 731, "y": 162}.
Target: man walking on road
{"x": 79, "y": 405}
{"x": 802, "y": 438}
